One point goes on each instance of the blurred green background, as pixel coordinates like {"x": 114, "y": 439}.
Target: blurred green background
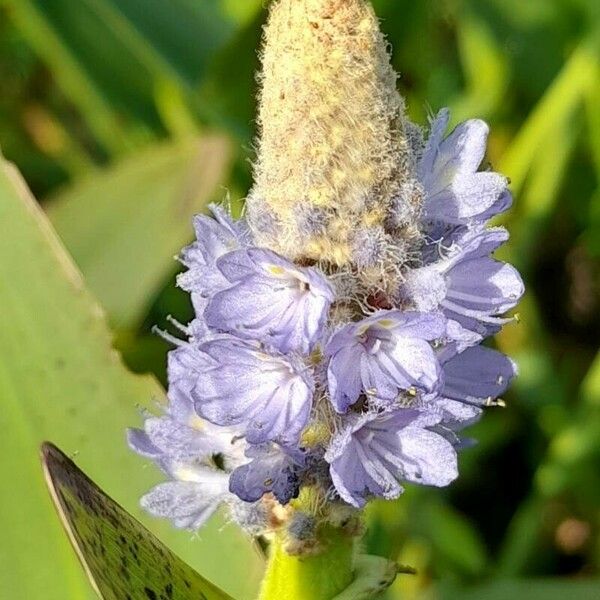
{"x": 126, "y": 117}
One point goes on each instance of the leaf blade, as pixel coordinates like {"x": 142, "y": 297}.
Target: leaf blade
{"x": 121, "y": 557}
{"x": 123, "y": 225}
{"x": 60, "y": 379}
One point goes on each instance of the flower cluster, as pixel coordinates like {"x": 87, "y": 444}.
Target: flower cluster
{"x": 298, "y": 375}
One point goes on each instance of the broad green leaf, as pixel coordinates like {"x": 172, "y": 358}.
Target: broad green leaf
{"x": 61, "y": 380}
{"x": 124, "y": 225}
{"x": 120, "y": 556}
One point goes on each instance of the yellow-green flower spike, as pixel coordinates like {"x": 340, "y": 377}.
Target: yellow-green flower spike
{"x": 334, "y": 146}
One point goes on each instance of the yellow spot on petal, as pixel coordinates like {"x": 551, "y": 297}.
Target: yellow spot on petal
{"x": 195, "y": 422}
{"x": 185, "y": 474}
{"x": 362, "y": 329}
{"x": 276, "y": 270}
{"x": 386, "y": 323}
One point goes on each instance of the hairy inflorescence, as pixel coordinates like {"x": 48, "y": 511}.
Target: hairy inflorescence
{"x": 336, "y": 351}
{"x": 334, "y": 153}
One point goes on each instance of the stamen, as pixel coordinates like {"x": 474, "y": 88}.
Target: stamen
{"x": 178, "y": 325}
{"x": 165, "y": 335}
{"x": 461, "y": 310}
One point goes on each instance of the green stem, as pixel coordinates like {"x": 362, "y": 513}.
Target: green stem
{"x": 319, "y": 577}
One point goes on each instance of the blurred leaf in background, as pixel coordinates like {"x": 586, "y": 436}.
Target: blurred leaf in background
{"x": 61, "y": 380}
{"x": 111, "y": 57}
{"x": 124, "y": 225}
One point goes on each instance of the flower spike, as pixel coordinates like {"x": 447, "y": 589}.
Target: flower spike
{"x": 335, "y": 352}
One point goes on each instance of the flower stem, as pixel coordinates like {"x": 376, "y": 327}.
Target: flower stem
{"x": 319, "y": 577}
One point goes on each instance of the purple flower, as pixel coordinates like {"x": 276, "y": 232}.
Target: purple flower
{"x": 270, "y": 299}
{"x": 456, "y": 193}
{"x": 236, "y": 382}
{"x": 189, "y": 500}
{"x": 351, "y": 376}
{"x": 468, "y": 286}
{"x": 383, "y": 355}
{"x": 195, "y": 455}
{"x": 214, "y": 238}
{"x": 374, "y": 453}
{"x": 477, "y": 376}
{"x": 473, "y": 379}
{"x": 272, "y": 469}
{"x": 180, "y": 435}
{"x": 164, "y": 439}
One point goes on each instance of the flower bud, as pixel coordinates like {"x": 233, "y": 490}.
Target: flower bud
{"x": 333, "y": 152}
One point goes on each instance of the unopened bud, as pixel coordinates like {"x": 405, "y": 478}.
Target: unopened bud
{"x": 333, "y": 153}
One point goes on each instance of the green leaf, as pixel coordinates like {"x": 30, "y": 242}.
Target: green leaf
{"x": 521, "y": 538}
{"x": 60, "y": 379}
{"x": 557, "y": 106}
{"x": 486, "y": 70}
{"x": 530, "y": 589}
{"x": 124, "y": 225}
{"x": 592, "y": 101}
{"x": 121, "y": 557}
{"x": 590, "y": 386}
{"x": 227, "y": 95}
{"x": 70, "y": 72}
{"x": 243, "y": 11}
{"x": 110, "y": 55}
{"x": 542, "y": 190}
{"x": 453, "y": 537}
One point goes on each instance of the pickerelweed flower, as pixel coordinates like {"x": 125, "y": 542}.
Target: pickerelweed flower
{"x": 336, "y": 341}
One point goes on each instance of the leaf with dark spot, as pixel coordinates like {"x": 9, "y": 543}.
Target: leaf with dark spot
{"x": 121, "y": 558}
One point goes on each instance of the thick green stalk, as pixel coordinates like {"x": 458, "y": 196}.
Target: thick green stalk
{"x": 319, "y": 577}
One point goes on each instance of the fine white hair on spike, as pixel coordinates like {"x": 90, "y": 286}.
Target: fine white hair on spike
{"x": 252, "y": 517}
{"x": 335, "y": 147}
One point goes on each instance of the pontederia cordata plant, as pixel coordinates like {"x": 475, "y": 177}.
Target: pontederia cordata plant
{"x": 336, "y": 351}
